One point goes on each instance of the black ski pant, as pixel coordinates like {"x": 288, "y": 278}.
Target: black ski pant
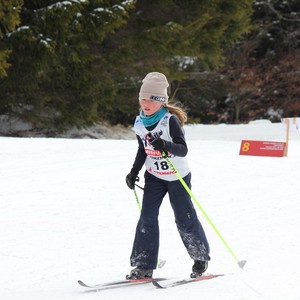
{"x": 146, "y": 243}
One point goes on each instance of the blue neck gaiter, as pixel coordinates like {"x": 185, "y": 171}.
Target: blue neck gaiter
{"x": 153, "y": 119}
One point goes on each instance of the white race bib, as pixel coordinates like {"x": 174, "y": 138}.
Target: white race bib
{"x": 155, "y": 163}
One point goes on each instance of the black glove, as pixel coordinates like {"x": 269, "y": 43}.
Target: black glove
{"x": 159, "y": 144}
{"x": 156, "y": 142}
{"x": 131, "y": 179}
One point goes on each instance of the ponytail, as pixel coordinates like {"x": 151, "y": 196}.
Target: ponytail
{"x": 178, "y": 112}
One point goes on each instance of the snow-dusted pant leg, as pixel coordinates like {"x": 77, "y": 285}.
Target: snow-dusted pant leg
{"x": 146, "y": 243}
{"x": 188, "y": 224}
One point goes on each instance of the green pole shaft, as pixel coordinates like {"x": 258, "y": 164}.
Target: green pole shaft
{"x": 137, "y": 200}
{"x": 240, "y": 263}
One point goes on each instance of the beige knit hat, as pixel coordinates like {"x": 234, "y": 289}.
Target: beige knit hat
{"x": 155, "y": 87}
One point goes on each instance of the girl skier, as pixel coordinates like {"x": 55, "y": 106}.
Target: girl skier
{"x": 158, "y": 128}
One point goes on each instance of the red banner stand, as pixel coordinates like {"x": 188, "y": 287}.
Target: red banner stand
{"x": 262, "y": 148}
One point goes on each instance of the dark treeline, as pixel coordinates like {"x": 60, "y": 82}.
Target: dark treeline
{"x": 76, "y": 62}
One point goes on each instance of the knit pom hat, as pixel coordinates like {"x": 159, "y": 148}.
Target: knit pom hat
{"x": 155, "y": 87}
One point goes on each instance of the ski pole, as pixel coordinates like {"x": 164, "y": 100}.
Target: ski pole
{"x": 139, "y": 186}
{"x": 137, "y": 200}
{"x": 160, "y": 262}
{"x": 241, "y": 263}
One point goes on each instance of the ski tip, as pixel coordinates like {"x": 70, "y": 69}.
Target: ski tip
{"x": 242, "y": 263}
{"x": 156, "y": 284}
{"x": 82, "y": 283}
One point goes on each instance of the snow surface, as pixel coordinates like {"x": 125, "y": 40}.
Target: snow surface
{"x": 67, "y": 214}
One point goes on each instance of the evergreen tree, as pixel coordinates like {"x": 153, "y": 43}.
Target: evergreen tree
{"x": 9, "y": 19}
{"x": 51, "y": 82}
{"x": 179, "y": 38}
{"x": 78, "y": 61}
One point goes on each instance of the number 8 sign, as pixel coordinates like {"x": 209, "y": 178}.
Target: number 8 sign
{"x": 262, "y": 148}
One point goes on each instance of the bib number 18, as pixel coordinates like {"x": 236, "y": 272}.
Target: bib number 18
{"x": 163, "y": 165}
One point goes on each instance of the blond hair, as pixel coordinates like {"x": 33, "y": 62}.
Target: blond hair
{"x": 179, "y": 112}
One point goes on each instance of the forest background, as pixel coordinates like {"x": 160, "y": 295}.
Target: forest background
{"x": 81, "y": 62}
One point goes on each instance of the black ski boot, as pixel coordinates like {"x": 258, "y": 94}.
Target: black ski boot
{"x": 199, "y": 268}
{"x": 139, "y": 273}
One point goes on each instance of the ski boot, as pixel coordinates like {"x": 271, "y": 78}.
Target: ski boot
{"x": 139, "y": 273}
{"x": 199, "y": 268}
